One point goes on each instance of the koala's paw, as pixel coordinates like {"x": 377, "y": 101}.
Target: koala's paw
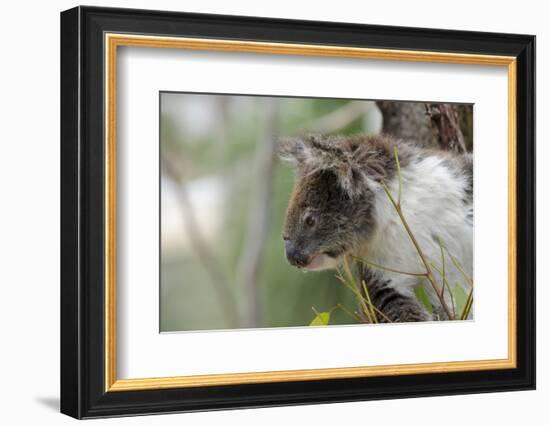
{"x": 403, "y": 309}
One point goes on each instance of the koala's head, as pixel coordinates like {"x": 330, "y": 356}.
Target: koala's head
{"x": 330, "y": 209}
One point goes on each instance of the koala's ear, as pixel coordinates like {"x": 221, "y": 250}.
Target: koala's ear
{"x": 293, "y": 149}
{"x": 310, "y": 149}
{"x": 337, "y": 155}
{"x": 362, "y": 168}
{"x": 351, "y": 178}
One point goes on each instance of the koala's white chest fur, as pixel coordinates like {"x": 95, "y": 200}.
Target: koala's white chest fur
{"x": 435, "y": 209}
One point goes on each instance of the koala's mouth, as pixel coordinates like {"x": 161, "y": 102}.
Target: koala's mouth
{"x": 322, "y": 261}
{"x": 315, "y": 262}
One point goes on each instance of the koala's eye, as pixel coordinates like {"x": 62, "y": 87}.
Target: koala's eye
{"x": 310, "y": 221}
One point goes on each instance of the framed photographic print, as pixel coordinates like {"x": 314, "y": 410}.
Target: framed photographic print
{"x": 261, "y": 212}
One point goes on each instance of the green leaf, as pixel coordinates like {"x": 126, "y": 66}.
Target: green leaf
{"x": 321, "y": 319}
{"x": 422, "y": 297}
{"x": 460, "y": 298}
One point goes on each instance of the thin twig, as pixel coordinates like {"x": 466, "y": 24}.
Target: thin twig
{"x": 400, "y": 180}
{"x": 369, "y": 300}
{"x": 468, "y": 305}
{"x": 460, "y": 269}
{"x": 357, "y": 293}
{"x": 382, "y": 314}
{"x": 443, "y": 274}
{"x": 448, "y": 286}
{"x": 388, "y": 269}
{"x": 349, "y": 313}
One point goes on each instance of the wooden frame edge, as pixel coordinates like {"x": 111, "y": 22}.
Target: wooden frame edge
{"x": 306, "y": 375}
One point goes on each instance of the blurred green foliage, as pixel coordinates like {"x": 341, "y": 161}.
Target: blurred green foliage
{"x": 216, "y": 136}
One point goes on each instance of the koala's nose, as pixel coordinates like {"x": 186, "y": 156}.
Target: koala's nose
{"x": 294, "y": 255}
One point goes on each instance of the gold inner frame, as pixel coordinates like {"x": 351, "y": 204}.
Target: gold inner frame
{"x": 113, "y": 41}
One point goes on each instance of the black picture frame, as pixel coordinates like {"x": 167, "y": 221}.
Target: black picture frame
{"x": 83, "y": 392}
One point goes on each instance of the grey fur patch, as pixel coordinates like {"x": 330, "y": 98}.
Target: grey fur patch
{"x": 466, "y": 162}
{"x": 354, "y": 160}
{"x": 462, "y": 165}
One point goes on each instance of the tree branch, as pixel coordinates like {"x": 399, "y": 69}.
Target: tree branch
{"x": 337, "y": 119}
{"x": 208, "y": 260}
{"x": 259, "y": 214}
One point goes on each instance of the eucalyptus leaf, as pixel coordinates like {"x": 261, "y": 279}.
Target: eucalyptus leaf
{"x": 422, "y": 298}
{"x": 321, "y": 319}
{"x": 461, "y": 297}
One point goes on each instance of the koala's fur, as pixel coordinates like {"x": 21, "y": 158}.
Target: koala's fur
{"x": 338, "y": 207}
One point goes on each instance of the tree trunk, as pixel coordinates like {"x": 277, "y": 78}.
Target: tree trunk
{"x": 445, "y": 122}
{"x": 259, "y": 215}
{"x": 407, "y": 121}
{"x": 429, "y": 125}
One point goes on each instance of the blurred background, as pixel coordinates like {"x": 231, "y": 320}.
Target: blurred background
{"x": 223, "y": 199}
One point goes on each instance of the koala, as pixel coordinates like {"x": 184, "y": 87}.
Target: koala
{"x": 339, "y": 208}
